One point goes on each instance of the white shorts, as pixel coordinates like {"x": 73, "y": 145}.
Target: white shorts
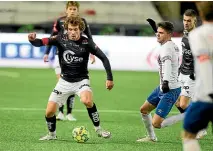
{"x": 57, "y": 65}
{"x": 187, "y": 86}
{"x": 64, "y": 89}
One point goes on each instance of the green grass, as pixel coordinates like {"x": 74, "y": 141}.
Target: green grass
{"x": 22, "y": 107}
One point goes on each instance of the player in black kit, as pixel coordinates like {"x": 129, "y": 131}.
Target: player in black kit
{"x": 74, "y": 50}
{"x": 186, "y": 70}
{"x": 72, "y": 9}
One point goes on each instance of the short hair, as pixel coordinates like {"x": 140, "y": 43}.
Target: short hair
{"x": 72, "y": 3}
{"x": 166, "y": 25}
{"x": 75, "y": 21}
{"x": 205, "y": 10}
{"x": 190, "y": 12}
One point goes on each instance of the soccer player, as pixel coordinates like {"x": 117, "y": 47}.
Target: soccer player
{"x": 186, "y": 70}
{"x": 165, "y": 95}
{"x": 200, "y": 112}
{"x": 72, "y": 9}
{"x": 73, "y": 52}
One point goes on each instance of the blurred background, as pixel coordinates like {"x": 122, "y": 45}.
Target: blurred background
{"x": 105, "y": 18}
{"x": 117, "y": 28}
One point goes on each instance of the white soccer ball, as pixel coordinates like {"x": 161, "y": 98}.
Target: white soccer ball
{"x": 80, "y": 134}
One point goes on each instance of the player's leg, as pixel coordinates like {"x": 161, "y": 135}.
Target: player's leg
{"x": 70, "y": 104}
{"x": 85, "y": 93}
{"x": 186, "y": 93}
{"x": 60, "y": 115}
{"x": 57, "y": 98}
{"x": 197, "y": 117}
{"x": 164, "y": 107}
{"x": 145, "y": 110}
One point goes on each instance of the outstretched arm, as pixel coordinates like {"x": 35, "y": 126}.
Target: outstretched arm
{"x": 41, "y": 42}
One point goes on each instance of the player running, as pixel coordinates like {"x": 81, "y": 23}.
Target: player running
{"x": 73, "y": 52}
{"x": 164, "y": 96}
{"x": 200, "y": 112}
{"x": 72, "y": 9}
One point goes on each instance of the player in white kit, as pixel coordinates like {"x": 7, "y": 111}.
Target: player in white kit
{"x": 200, "y": 112}
{"x": 166, "y": 94}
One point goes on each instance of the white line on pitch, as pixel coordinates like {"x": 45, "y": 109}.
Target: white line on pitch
{"x": 9, "y": 74}
{"x": 75, "y": 110}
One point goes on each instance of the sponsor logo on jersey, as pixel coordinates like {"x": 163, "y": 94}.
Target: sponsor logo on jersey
{"x": 85, "y": 42}
{"x": 69, "y": 57}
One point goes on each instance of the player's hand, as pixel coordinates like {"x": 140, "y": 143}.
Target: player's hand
{"x": 32, "y": 36}
{"x": 45, "y": 58}
{"x": 92, "y": 58}
{"x": 192, "y": 76}
{"x": 109, "y": 84}
{"x": 165, "y": 86}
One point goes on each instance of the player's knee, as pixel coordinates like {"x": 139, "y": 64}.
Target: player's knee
{"x": 87, "y": 101}
{"x": 184, "y": 105}
{"x": 144, "y": 110}
{"x": 51, "y": 109}
{"x": 188, "y": 135}
{"x": 49, "y": 113}
{"x": 156, "y": 124}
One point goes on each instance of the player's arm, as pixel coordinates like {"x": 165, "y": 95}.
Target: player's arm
{"x": 88, "y": 33}
{"x": 167, "y": 59}
{"x": 55, "y": 30}
{"x": 204, "y": 62}
{"x": 98, "y": 53}
{"x": 41, "y": 42}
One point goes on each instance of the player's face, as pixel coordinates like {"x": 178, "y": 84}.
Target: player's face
{"x": 73, "y": 32}
{"x": 72, "y": 11}
{"x": 188, "y": 22}
{"x": 162, "y": 35}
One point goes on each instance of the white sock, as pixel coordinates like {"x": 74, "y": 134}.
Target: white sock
{"x": 52, "y": 133}
{"x": 191, "y": 145}
{"x": 147, "y": 120}
{"x": 97, "y": 128}
{"x": 172, "y": 120}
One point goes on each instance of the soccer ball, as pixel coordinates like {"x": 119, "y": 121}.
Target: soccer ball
{"x": 80, "y": 134}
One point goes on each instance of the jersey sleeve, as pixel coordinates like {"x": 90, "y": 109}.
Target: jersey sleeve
{"x": 45, "y": 41}
{"x": 87, "y": 29}
{"x": 166, "y": 58}
{"x": 95, "y": 50}
{"x": 203, "y": 59}
{"x": 198, "y": 45}
{"x": 166, "y": 53}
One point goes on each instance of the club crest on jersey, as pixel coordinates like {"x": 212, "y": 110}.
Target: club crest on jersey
{"x": 69, "y": 57}
{"x": 85, "y": 42}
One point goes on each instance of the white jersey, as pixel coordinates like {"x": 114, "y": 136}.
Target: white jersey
{"x": 201, "y": 42}
{"x": 168, "y": 61}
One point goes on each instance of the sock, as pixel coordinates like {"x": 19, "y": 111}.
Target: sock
{"x": 181, "y": 110}
{"x": 191, "y": 145}
{"x": 172, "y": 120}
{"x": 94, "y": 116}
{"x": 51, "y": 124}
{"x": 147, "y": 120}
{"x": 61, "y": 109}
{"x": 70, "y": 102}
